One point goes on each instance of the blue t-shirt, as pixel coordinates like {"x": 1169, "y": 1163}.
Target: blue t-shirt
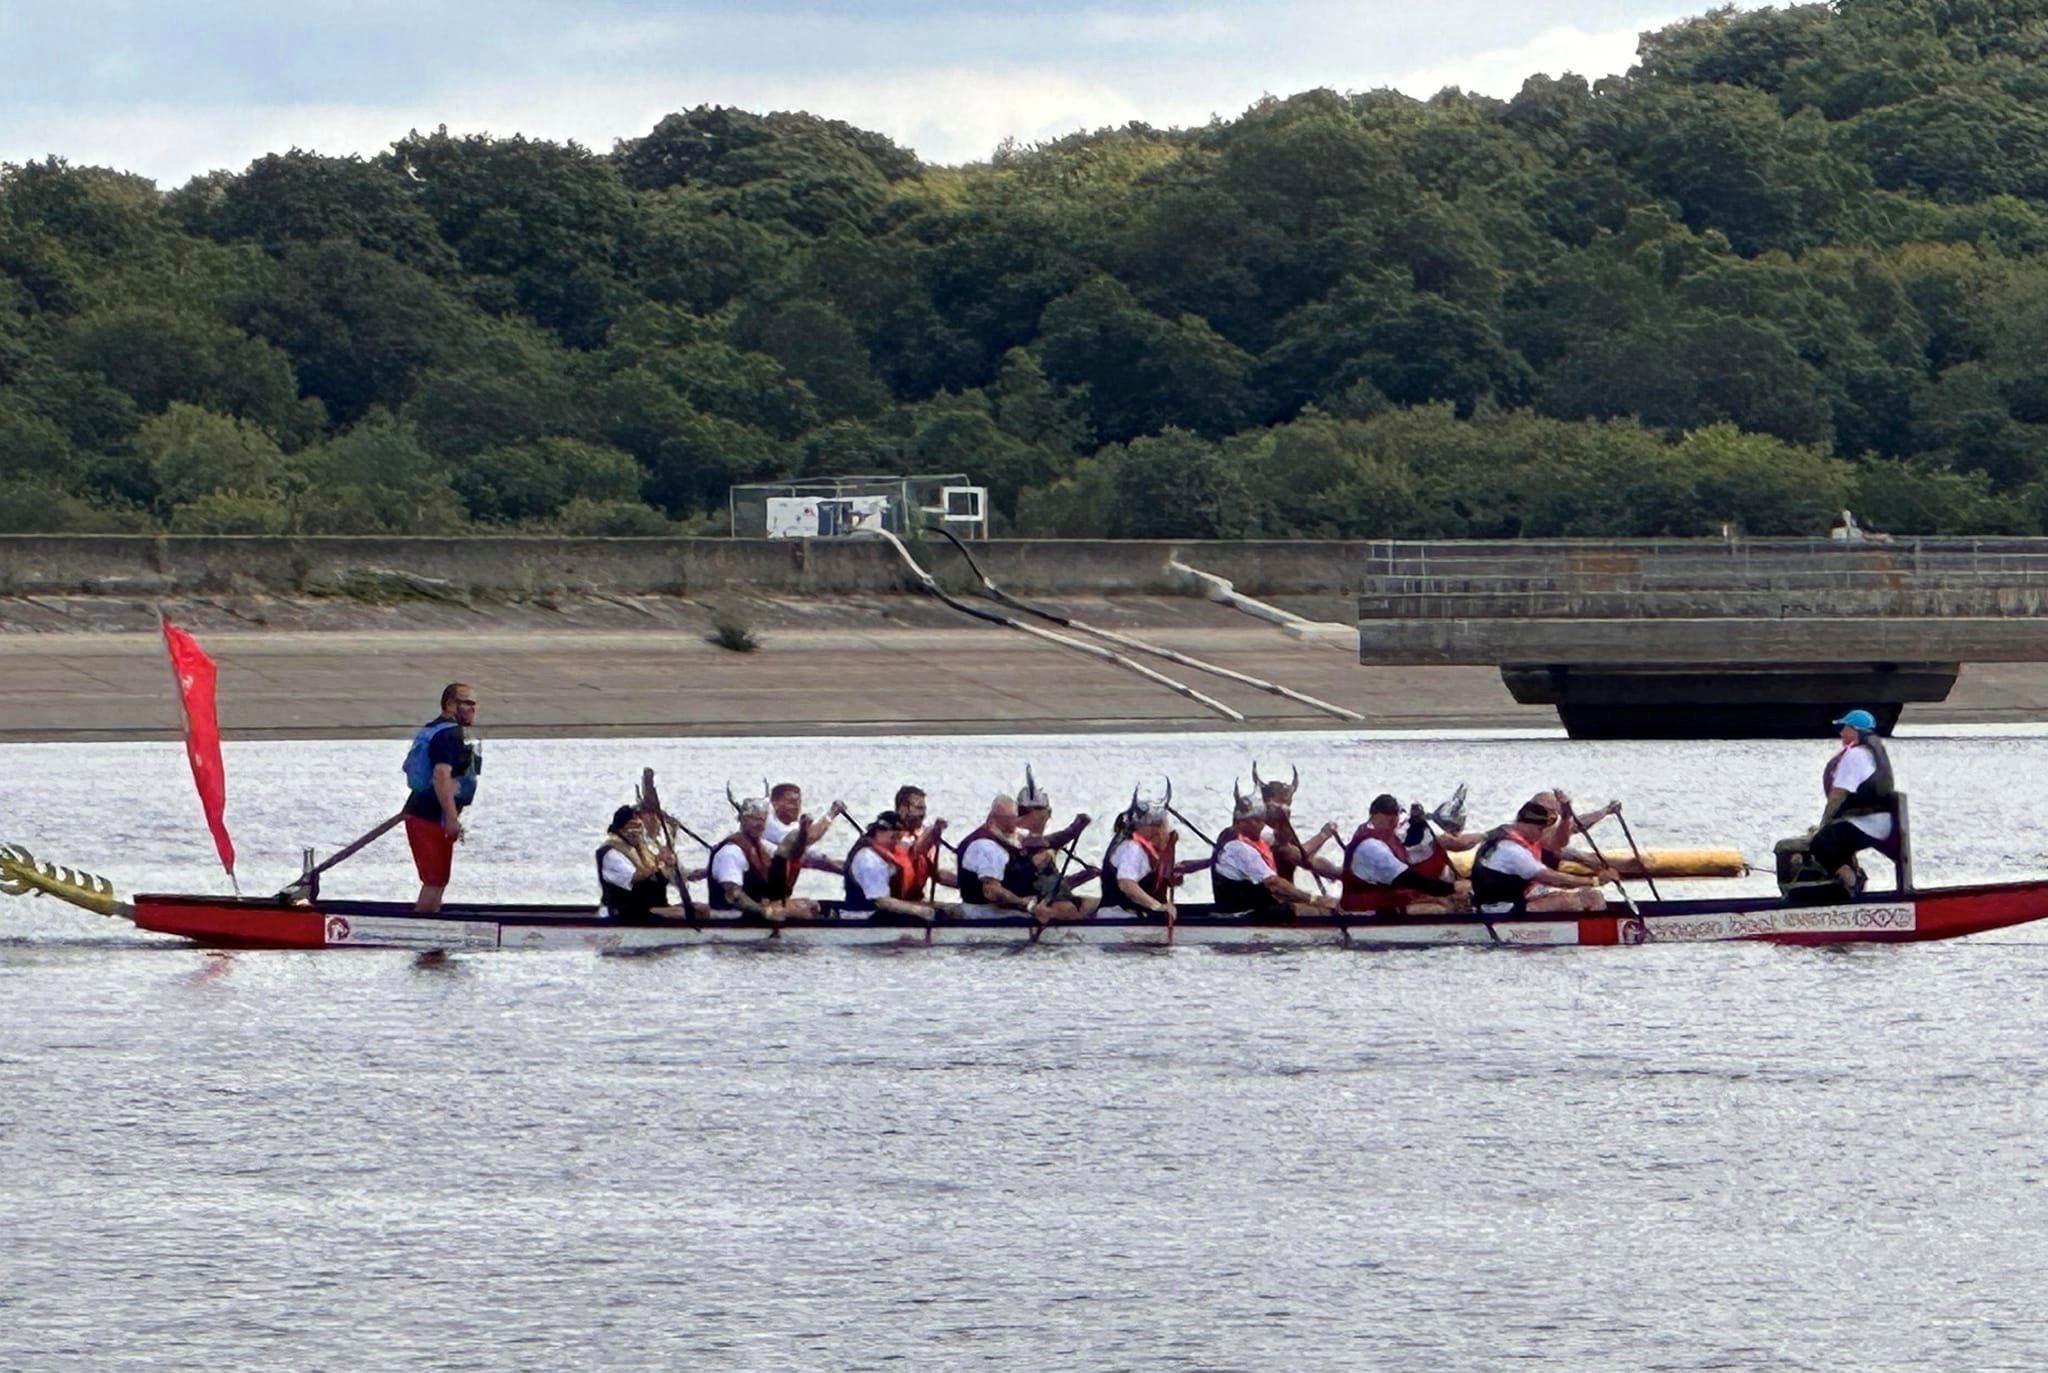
{"x": 447, "y": 746}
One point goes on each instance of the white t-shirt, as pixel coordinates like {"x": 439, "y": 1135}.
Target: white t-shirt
{"x": 1514, "y": 860}
{"x": 616, "y": 868}
{"x": 1241, "y": 862}
{"x": 1373, "y": 861}
{"x": 775, "y": 831}
{"x": 870, "y": 872}
{"x": 729, "y": 864}
{"x": 1131, "y": 861}
{"x": 982, "y": 858}
{"x": 1858, "y": 766}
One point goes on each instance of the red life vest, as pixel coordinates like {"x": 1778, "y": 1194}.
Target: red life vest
{"x": 1357, "y": 894}
{"x": 902, "y": 872}
{"x": 917, "y": 867}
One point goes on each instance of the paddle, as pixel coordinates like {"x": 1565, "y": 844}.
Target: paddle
{"x": 650, "y": 801}
{"x": 1601, "y": 859}
{"x": 1491, "y": 932}
{"x": 1641, "y": 861}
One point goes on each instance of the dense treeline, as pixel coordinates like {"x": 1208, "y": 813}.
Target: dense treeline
{"x": 1796, "y": 259}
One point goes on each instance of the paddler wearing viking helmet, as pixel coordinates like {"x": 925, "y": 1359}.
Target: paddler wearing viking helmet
{"x": 1138, "y": 873}
{"x": 1051, "y": 882}
{"x": 1242, "y": 874}
{"x": 749, "y": 876}
{"x": 1290, "y": 851}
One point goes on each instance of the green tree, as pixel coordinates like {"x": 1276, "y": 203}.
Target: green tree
{"x": 194, "y": 453}
{"x": 378, "y": 478}
{"x": 1144, "y": 373}
{"x": 538, "y": 479}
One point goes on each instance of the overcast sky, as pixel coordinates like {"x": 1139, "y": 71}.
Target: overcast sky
{"x": 171, "y": 88}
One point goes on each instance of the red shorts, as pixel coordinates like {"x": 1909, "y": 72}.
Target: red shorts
{"x": 433, "y": 852}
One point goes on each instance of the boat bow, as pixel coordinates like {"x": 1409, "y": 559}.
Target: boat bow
{"x": 21, "y": 874}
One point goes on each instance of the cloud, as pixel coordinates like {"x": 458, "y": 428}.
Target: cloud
{"x": 949, "y": 81}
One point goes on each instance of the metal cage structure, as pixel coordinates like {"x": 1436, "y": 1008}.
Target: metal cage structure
{"x": 824, "y": 507}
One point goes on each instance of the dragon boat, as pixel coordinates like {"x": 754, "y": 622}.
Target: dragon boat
{"x": 1803, "y": 913}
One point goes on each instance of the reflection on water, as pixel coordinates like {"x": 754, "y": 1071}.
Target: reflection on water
{"x": 1664, "y": 1157}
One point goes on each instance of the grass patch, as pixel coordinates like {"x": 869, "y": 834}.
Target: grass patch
{"x": 731, "y": 630}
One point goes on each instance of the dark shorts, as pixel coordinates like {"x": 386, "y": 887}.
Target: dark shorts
{"x": 1836, "y": 843}
{"x": 433, "y": 851}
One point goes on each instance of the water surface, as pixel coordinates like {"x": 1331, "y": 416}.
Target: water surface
{"x": 1674, "y": 1157}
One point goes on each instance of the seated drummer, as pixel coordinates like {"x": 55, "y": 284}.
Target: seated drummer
{"x": 1510, "y": 865}
{"x": 1242, "y": 875}
{"x": 1380, "y": 873}
{"x": 749, "y": 878}
{"x": 882, "y": 879}
{"x": 633, "y": 872}
{"x": 1861, "y": 800}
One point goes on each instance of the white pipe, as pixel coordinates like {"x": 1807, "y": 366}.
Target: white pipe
{"x": 1220, "y": 590}
{"x": 1095, "y": 650}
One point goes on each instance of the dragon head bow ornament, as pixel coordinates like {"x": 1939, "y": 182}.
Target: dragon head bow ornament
{"x": 22, "y": 875}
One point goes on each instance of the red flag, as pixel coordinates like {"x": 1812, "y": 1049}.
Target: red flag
{"x": 193, "y": 671}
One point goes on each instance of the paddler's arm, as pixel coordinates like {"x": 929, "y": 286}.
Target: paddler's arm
{"x": 1322, "y": 837}
{"x": 444, "y": 792}
{"x": 737, "y": 895}
{"x": 1135, "y": 893}
{"x": 929, "y": 841}
{"x": 994, "y": 893}
{"x": 1586, "y": 822}
{"x": 913, "y": 909}
{"x": 1065, "y": 836}
{"x": 1836, "y": 796}
{"x": 1412, "y": 880}
{"x": 819, "y": 826}
{"x": 1551, "y": 877}
{"x": 1295, "y": 896}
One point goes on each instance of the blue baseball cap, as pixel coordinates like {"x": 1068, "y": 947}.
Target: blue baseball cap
{"x": 1862, "y": 719}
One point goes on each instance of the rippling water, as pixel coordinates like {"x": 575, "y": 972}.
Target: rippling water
{"x": 1664, "y": 1157}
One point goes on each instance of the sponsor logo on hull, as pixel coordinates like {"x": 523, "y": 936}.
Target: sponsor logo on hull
{"x": 399, "y": 932}
{"x": 1799, "y": 920}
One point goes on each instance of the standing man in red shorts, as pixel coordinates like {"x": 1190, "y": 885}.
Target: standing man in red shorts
{"x": 440, "y": 773}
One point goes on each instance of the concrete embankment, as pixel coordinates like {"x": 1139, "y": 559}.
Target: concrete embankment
{"x": 328, "y": 637}
{"x": 518, "y": 567}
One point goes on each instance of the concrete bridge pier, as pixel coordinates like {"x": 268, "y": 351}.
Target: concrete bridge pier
{"x": 1749, "y": 701}
{"x": 1704, "y": 638}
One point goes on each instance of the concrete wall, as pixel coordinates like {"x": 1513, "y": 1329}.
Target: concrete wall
{"x": 1409, "y": 579}
{"x": 158, "y": 565}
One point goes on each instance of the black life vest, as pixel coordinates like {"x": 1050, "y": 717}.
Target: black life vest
{"x": 1235, "y": 894}
{"x": 1157, "y": 884}
{"x": 1491, "y": 887}
{"x": 1020, "y": 874}
{"x": 766, "y": 879}
{"x": 634, "y": 904}
{"x": 1876, "y": 795}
